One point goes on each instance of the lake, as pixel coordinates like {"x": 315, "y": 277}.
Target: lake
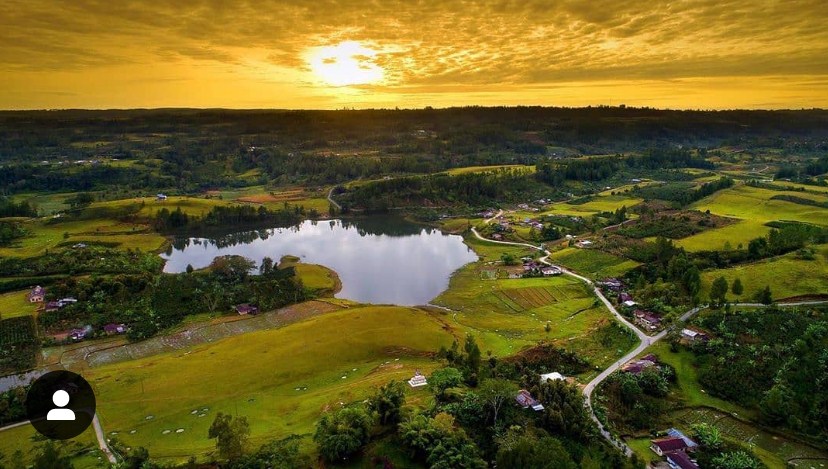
{"x": 379, "y": 260}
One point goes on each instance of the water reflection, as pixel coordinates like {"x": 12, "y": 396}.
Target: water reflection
{"x": 379, "y": 260}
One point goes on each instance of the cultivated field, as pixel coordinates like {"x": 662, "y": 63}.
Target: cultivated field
{"x": 16, "y": 304}
{"x": 593, "y": 263}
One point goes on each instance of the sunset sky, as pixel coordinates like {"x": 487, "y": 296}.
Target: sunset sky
{"x": 361, "y": 53}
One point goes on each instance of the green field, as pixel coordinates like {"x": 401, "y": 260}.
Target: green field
{"x": 317, "y": 277}
{"x": 604, "y": 203}
{"x": 787, "y": 276}
{"x": 281, "y": 379}
{"x": 14, "y": 304}
{"x": 593, "y": 263}
{"x": 484, "y": 169}
{"x": 83, "y": 449}
{"x": 753, "y": 207}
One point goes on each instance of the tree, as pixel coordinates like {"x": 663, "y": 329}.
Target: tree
{"x": 444, "y": 378}
{"x": 735, "y": 460}
{"x": 388, "y": 402}
{"x": 765, "y": 296}
{"x": 708, "y": 435}
{"x": 495, "y": 392}
{"x": 472, "y": 356}
{"x": 49, "y": 457}
{"x": 509, "y": 259}
{"x": 737, "y": 287}
{"x": 190, "y": 268}
{"x": 230, "y": 434}
{"x": 267, "y": 266}
{"x": 530, "y": 453}
{"x": 136, "y": 458}
{"x": 279, "y": 454}
{"x": 343, "y": 433}
{"x": 718, "y": 291}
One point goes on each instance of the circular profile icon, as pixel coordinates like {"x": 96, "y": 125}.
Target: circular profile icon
{"x": 60, "y": 405}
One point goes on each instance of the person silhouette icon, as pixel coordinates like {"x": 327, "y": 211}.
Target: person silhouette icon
{"x": 60, "y": 399}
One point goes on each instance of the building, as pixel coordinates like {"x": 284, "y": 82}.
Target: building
{"x": 37, "y": 295}
{"x": 417, "y": 380}
{"x": 693, "y": 335}
{"x": 679, "y": 434}
{"x": 245, "y": 309}
{"x": 680, "y": 460}
{"x": 647, "y": 320}
{"x": 629, "y": 304}
{"x": 80, "y": 334}
{"x": 53, "y": 306}
{"x": 584, "y": 244}
{"x": 637, "y": 366}
{"x": 612, "y": 284}
{"x": 555, "y": 376}
{"x": 664, "y": 446}
{"x": 160, "y": 197}
{"x": 112, "y": 329}
{"x": 550, "y": 270}
{"x": 525, "y": 400}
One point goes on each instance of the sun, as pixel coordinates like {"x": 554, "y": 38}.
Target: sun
{"x": 347, "y": 63}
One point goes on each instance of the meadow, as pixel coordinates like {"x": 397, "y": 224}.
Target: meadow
{"x": 788, "y": 276}
{"x": 14, "y": 304}
{"x": 753, "y": 207}
{"x": 601, "y": 203}
{"x": 593, "y": 263}
{"x": 82, "y": 449}
{"x": 282, "y": 380}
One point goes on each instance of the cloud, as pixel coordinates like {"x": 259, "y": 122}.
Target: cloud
{"x": 423, "y": 43}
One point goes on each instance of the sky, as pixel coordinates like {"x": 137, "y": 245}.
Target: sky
{"x": 330, "y": 54}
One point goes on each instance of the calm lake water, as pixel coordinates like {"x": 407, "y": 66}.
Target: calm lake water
{"x": 379, "y": 260}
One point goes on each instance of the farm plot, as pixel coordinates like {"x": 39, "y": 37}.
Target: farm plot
{"x": 18, "y": 344}
{"x": 530, "y": 297}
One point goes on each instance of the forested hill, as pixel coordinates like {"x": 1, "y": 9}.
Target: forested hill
{"x": 453, "y": 131}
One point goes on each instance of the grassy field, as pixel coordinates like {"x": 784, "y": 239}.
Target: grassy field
{"x": 605, "y": 203}
{"x": 593, "y": 263}
{"x": 753, "y": 207}
{"x": 510, "y": 314}
{"x": 786, "y": 275}
{"x": 83, "y": 449}
{"x": 317, "y": 277}
{"x": 281, "y": 379}
{"x": 14, "y": 304}
{"x": 484, "y": 169}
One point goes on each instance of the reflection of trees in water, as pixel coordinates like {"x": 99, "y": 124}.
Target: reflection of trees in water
{"x": 373, "y": 226}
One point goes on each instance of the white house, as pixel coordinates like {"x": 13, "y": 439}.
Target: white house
{"x": 555, "y": 376}
{"x": 417, "y": 381}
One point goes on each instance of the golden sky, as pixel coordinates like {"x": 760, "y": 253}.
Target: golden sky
{"x": 414, "y": 53}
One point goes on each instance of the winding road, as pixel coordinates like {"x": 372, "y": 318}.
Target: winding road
{"x": 643, "y": 339}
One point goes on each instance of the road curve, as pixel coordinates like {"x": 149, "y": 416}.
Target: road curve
{"x": 644, "y": 340}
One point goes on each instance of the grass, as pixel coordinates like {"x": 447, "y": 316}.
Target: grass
{"x": 484, "y": 169}
{"x": 753, "y": 207}
{"x": 317, "y": 277}
{"x": 83, "y": 448}
{"x": 607, "y": 203}
{"x": 593, "y": 263}
{"x": 509, "y": 314}
{"x": 16, "y": 304}
{"x": 787, "y": 276}
{"x": 281, "y": 379}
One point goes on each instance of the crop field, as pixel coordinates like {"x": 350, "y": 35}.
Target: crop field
{"x": 593, "y": 263}
{"x": 787, "y": 276}
{"x": 282, "y": 380}
{"x": 510, "y": 314}
{"x": 14, "y": 304}
{"x": 753, "y": 207}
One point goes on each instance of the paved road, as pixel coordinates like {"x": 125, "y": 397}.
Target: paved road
{"x": 99, "y": 433}
{"x": 331, "y": 200}
{"x": 644, "y": 340}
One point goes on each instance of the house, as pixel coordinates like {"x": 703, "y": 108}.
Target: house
{"x": 637, "y": 366}
{"x": 624, "y": 297}
{"x": 418, "y": 380}
{"x": 612, "y": 283}
{"x": 37, "y": 294}
{"x": 160, "y": 196}
{"x": 679, "y": 434}
{"x": 584, "y": 244}
{"x": 680, "y": 460}
{"x": 66, "y": 301}
{"x": 244, "y": 309}
{"x": 525, "y": 400}
{"x": 53, "y": 306}
{"x": 629, "y": 304}
{"x": 551, "y": 270}
{"x": 111, "y": 329}
{"x": 80, "y": 334}
{"x": 79, "y": 246}
{"x": 647, "y": 320}
{"x": 497, "y": 236}
{"x": 663, "y": 446}
{"x": 693, "y": 335}
{"x": 554, "y": 376}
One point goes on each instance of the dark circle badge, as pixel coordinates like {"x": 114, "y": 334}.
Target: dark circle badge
{"x": 60, "y": 405}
